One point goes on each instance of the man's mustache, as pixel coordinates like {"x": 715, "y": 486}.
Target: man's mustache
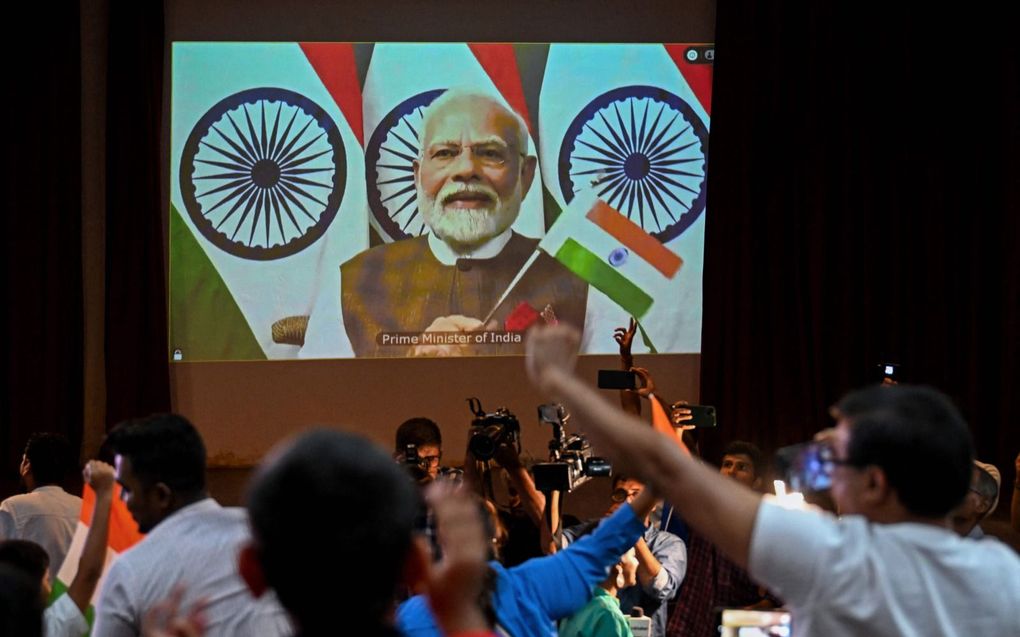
{"x": 452, "y": 192}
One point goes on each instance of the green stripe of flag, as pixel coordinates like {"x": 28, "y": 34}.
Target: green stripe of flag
{"x": 59, "y": 588}
{"x": 205, "y": 321}
{"x": 587, "y": 265}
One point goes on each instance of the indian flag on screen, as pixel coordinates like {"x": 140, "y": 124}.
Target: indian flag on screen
{"x": 615, "y": 256}
{"x": 123, "y": 535}
{"x": 630, "y": 121}
{"x": 267, "y": 192}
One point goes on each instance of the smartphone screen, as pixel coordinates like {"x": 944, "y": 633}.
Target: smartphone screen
{"x": 806, "y": 467}
{"x": 888, "y": 373}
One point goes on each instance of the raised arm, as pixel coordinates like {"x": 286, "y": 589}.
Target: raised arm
{"x": 458, "y": 580}
{"x": 624, "y": 337}
{"x": 100, "y": 477}
{"x": 532, "y": 499}
{"x": 712, "y": 504}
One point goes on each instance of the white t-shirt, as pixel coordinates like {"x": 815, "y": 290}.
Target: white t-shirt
{"x": 47, "y": 516}
{"x": 63, "y": 618}
{"x": 195, "y": 548}
{"x": 851, "y": 577}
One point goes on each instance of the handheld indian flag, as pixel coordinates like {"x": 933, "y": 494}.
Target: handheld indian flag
{"x": 614, "y": 255}
{"x": 123, "y": 535}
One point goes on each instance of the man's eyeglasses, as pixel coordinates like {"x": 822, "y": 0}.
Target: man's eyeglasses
{"x": 488, "y": 154}
{"x": 429, "y": 461}
{"x": 623, "y": 495}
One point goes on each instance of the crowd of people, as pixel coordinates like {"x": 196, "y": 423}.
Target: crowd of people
{"x": 339, "y": 537}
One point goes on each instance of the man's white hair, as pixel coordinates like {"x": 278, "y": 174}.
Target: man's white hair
{"x": 456, "y": 94}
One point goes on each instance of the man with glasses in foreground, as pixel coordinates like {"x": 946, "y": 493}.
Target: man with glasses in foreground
{"x": 889, "y": 566}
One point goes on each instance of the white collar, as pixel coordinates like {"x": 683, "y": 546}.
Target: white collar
{"x": 445, "y": 254}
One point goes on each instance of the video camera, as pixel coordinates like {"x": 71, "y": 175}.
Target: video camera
{"x": 571, "y": 462}
{"x": 418, "y": 468}
{"x": 489, "y": 431}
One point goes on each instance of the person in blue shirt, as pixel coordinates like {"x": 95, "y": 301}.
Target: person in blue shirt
{"x": 528, "y": 599}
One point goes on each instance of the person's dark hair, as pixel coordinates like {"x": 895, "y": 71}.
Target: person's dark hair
{"x": 163, "y": 448}
{"x": 741, "y": 447}
{"x": 620, "y": 477}
{"x": 50, "y": 456}
{"x": 332, "y": 518}
{"x": 918, "y": 438}
{"x": 418, "y": 431}
{"x": 26, "y": 556}
{"x": 21, "y": 603}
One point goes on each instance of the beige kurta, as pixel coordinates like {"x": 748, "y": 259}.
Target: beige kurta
{"x": 401, "y": 287}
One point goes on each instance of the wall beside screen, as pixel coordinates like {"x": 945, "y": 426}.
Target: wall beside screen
{"x": 247, "y": 394}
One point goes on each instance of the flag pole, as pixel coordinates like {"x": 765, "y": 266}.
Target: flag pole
{"x": 513, "y": 284}
{"x": 599, "y": 178}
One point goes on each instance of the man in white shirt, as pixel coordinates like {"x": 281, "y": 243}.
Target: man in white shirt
{"x": 902, "y": 459}
{"x": 65, "y": 615}
{"x": 192, "y": 541}
{"x": 46, "y": 515}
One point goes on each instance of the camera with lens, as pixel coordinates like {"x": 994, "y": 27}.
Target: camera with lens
{"x": 571, "y": 460}
{"x": 489, "y": 431}
{"x": 416, "y": 465}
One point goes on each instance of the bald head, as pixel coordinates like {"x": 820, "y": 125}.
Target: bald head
{"x": 458, "y": 101}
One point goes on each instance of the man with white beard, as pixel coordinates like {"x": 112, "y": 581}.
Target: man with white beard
{"x": 428, "y": 296}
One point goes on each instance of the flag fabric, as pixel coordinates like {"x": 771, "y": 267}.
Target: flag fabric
{"x": 402, "y": 79}
{"x": 267, "y": 191}
{"x": 123, "y": 535}
{"x": 624, "y": 121}
{"x": 614, "y": 255}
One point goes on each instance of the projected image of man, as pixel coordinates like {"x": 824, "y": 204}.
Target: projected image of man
{"x": 472, "y": 173}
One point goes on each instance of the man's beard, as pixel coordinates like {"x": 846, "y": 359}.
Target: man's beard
{"x": 467, "y": 228}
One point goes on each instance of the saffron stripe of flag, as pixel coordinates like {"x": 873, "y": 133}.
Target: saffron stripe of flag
{"x": 123, "y": 535}
{"x": 632, "y": 236}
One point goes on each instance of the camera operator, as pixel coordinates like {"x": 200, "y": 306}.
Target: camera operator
{"x": 661, "y": 556}
{"x": 419, "y": 437}
{"x": 523, "y": 516}
{"x": 495, "y": 439}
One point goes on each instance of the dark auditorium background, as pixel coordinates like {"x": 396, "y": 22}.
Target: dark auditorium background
{"x": 863, "y": 205}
